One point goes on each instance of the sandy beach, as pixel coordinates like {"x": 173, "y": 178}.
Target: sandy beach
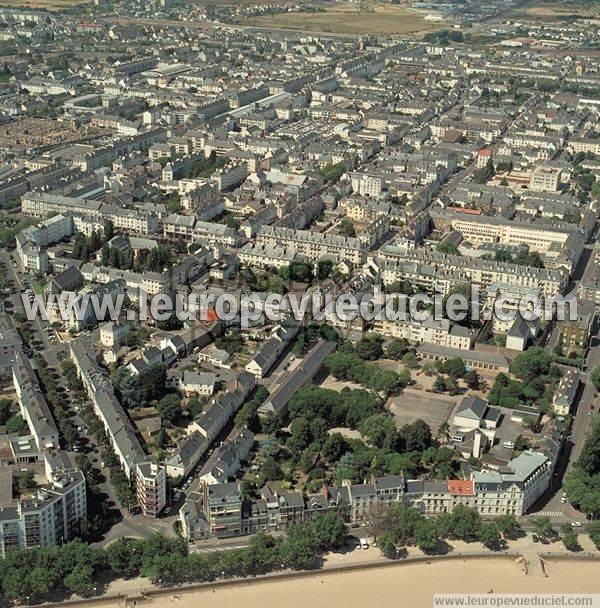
{"x": 405, "y": 585}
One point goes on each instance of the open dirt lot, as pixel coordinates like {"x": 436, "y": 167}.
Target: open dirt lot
{"x": 51, "y": 5}
{"x": 556, "y": 11}
{"x": 348, "y": 18}
{"x": 414, "y": 405}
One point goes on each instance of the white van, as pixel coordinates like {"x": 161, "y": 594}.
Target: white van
{"x": 508, "y": 444}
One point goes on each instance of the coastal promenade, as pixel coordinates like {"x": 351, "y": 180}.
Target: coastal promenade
{"x": 523, "y": 560}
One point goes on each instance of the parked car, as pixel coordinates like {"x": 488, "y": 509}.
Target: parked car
{"x": 576, "y": 524}
{"x": 363, "y": 543}
{"x": 508, "y": 444}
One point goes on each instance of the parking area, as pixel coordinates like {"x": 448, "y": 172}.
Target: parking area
{"x": 414, "y": 405}
{"x": 507, "y": 431}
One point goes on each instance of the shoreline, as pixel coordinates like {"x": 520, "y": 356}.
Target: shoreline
{"x": 153, "y": 593}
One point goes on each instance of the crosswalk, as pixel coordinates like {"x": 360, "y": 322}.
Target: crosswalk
{"x": 159, "y": 525}
{"x": 549, "y": 513}
{"x": 194, "y": 549}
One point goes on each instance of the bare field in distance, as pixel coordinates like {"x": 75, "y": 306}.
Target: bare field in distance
{"x": 51, "y": 5}
{"x": 556, "y": 11}
{"x": 347, "y": 18}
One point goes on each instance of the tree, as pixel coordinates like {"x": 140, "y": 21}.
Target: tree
{"x": 161, "y": 439}
{"x": 27, "y": 480}
{"x": 397, "y": 349}
{"x": 347, "y": 228}
{"x": 595, "y": 376}
{"x": 335, "y": 447}
{"x": 569, "y": 538}
{"x": 39, "y": 582}
{"x": 450, "y": 248}
{"x": 332, "y": 173}
{"x": 439, "y": 384}
{"x": 301, "y": 435}
{"x": 508, "y": 526}
{"x": 263, "y": 550}
{"x": 454, "y": 367}
{"x": 426, "y": 535}
{"x": 379, "y": 429}
{"x": 589, "y": 459}
{"x": 15, "y": 424}
{"x": 6, "y": 406}
{"x": 380, "y": 520}
{"x": 529, "y": 258}
{"x": 105, "y": 255}
{"x": 403, "y": 522}
{"x": 232, "y": 343}
{"x": 324, "y": 269}
{"x": 583, "y": 490}
{"x": 489, "y": 535}
{"x": 328, "y": 333}
{"x": 330, "y": 531}
{"x": 369, "y": 348}
{"x": 503, "y": 256}
{"x": 531, "y": 364}
{"x": 593, "y": 530}
{"x": 411, "y": 361}
{"x": 483, "y": 175}
{"x": 387, "y": 545}
{"x": 269, "y": 471}
{"x": 169, "y": 408}
{"x": 270, "y": 423}
{"x": 466, "y": 523}
{"x": 416, "y": 437}
{"x": 472, "y": 379}
{"x": 307, "y": 460}
{"x": 542, "y": 527}
{"x": 299, "y": 550}
{"x": 80, "y": 580}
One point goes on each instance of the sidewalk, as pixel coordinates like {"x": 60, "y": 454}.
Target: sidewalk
{"x": 524, "y": 551}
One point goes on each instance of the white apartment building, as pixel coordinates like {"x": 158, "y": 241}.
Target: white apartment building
{"x": 112, "y": 334}
{"x": 314, "y": 245}
{"x": 564, "y": 397}
{"x": 367, "y": 185}
{"x": 262, "y": 256}
{"x": 230, "y": 176}
{"x": 151, "y": 488}
{"x": 545, "y": 179}
{"x": 40, "y": 204}
{"x": 392, "y": 261}
{"x": 33, "y": 405}
{"x": 440, "y": 332}
{"x": 49, "y": 517}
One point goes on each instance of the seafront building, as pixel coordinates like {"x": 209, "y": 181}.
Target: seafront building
{"x": 220, "y": 510}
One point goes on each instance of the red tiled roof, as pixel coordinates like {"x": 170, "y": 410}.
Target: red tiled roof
{"x": 461, "y": 487}
{"x": 464, "y": 210}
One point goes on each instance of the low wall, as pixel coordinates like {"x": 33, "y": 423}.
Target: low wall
{"x": 146, "y": 594}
